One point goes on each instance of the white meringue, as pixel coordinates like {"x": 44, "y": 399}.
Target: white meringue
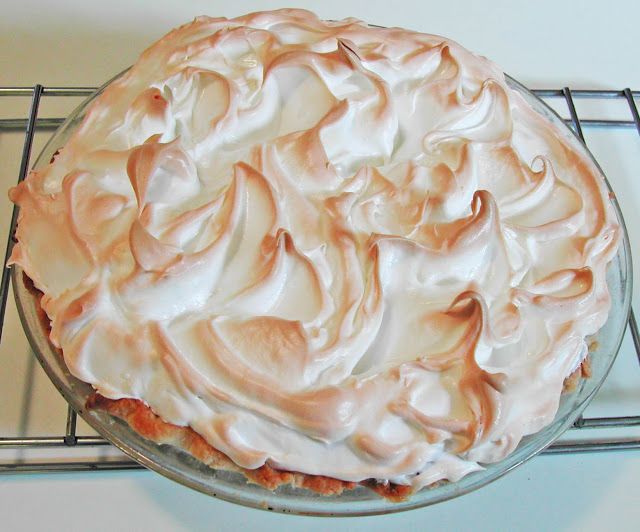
{"x": 343, "y": 250}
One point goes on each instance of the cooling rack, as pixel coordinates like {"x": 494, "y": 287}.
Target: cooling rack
{"x": 68, "y": 437}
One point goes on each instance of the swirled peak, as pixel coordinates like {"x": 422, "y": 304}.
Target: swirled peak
{"x": 340, "y": 249}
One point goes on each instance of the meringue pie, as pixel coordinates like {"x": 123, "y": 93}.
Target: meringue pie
{"x": 320, "y": 252}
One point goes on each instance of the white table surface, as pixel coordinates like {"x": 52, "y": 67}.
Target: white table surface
{"x": 581, "y": 44}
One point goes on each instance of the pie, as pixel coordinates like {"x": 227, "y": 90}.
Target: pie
{"x": 320, "y": 252}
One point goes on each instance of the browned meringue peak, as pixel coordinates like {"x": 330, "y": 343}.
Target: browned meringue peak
{"x": 345, "y": 250}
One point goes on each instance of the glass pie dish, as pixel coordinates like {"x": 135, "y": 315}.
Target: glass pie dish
{"x": 181, "y": 467}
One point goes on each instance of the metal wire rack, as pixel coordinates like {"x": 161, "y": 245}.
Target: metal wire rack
{"x": 69, "y": 438}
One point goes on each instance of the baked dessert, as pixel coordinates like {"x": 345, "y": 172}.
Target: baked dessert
{"x": 320, "y": 252}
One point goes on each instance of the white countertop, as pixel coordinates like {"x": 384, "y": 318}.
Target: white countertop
{"x": 544, "y": 45}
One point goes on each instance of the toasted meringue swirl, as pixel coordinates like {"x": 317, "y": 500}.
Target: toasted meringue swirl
{"x": 339, "y": 249}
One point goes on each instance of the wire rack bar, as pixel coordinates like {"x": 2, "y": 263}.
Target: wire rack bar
{"x": 66, "y": 467}
{"x": 24, "y": 166}
{"x": 633, "y": 324}
{"x": 52, "y": 441}
{"x": 628, "y": 95}
{"x": 48, "y": 91}
{"x": 635, "y": 334}
{"x": 592, "y": 447}
{"x": 607, "y": 422}
{"x": 19, "y": 124}
{"x": 70, "y": 439}
{"x": 584, "y": 93}
{"x": 122, "y": 465}
{"x": 600, "y": 123}
{"x": 575, "y": 121}
{"x": 543, "y": 93}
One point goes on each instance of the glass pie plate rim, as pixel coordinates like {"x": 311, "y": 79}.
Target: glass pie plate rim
{"x": 177, "y": 465}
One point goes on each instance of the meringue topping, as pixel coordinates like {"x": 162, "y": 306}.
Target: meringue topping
{"x": 340, "y": 249}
